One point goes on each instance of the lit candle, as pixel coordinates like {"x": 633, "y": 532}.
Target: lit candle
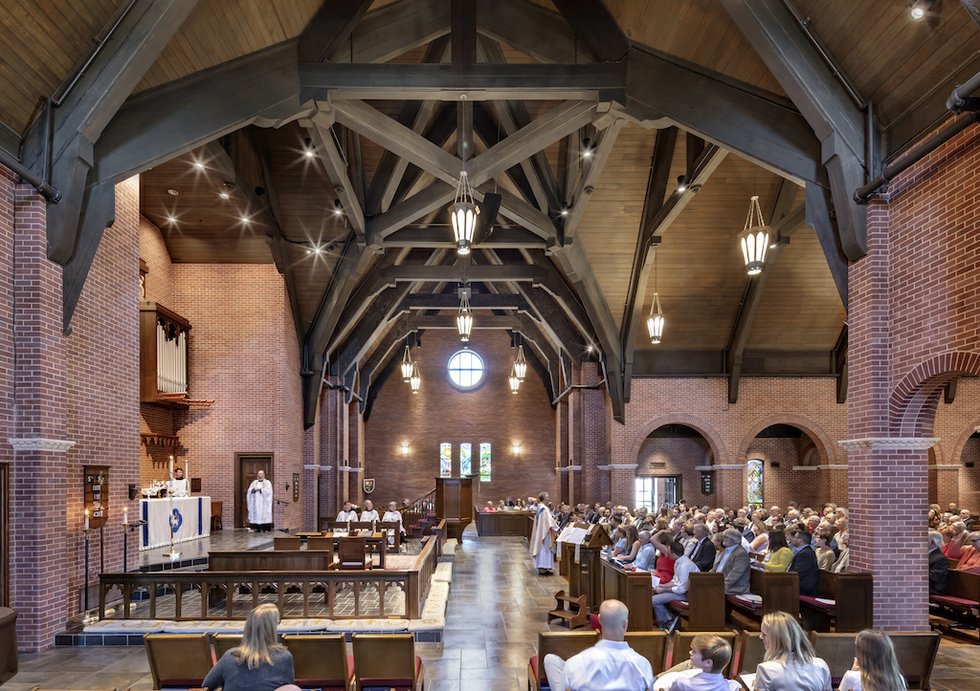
{"x": 171, "y": 467}
{"x": 86, "y": 519}
{"x": 187, "y": 470}
{"x": 125, "y": 515}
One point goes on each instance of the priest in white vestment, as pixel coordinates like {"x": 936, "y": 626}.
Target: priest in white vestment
{"x": 542, "y": 545}
{"x": 259, "y": 498}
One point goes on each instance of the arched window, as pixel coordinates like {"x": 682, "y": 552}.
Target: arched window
{"x": 754, "y": 468}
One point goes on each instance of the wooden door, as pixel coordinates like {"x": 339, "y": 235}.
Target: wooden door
{"x": 249, "y": 465}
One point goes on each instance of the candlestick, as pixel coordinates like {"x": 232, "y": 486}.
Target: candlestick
{"x": 187, "y": 470}
{"x": 171, "y": 467}
{"x": 125, "y": 515}
{"x": 86, "y": 519}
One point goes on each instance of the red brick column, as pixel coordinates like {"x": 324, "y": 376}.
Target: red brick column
{"x": 311, "y": 476}
{"x": 592, "y": 421}
{"x": 329, "y": 441}
{"x": 38, "y": 522}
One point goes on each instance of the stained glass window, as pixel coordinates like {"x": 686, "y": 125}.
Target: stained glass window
{"x": 755, "y": 482}
{"x": 445, "y": 459}
{"x": 465, "y": 459}
{"x": 485, "y": 462}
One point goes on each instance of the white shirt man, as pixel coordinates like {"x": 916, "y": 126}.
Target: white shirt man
{"x": 178, "y": 487}
{"x": 542, "y": 543}
{"x": 369, "y": 514}
{"x": 347, "y": 514}
{"x": 259, "y": 498}
{"x": 609, "y": 664}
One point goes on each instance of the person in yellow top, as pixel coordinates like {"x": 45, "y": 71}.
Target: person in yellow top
{"x": 780, "y": 555}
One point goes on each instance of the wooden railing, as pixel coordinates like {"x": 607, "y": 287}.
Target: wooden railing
{"x": 232, "y": 595}
{"x": 419, "y": 510}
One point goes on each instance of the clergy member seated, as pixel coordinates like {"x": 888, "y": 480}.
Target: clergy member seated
{"x": 178, "y": 487}
{"x": 369, "y": 514}
{"x": 609, "y": 664}
{"x": 348, "y": 514}
{"x": 393, "y": 515}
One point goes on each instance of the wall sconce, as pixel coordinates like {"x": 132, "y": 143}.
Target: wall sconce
{"x": 516, "y": 448}
{"x": 405, "y": 449}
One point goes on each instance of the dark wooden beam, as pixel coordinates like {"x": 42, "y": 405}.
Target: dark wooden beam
{"x": 478, "y": 301}
{"x": 80, "y": 118}
{"x": 336, "y": 167}
{"x": 591, "y": 172}
{"x": 435, "y": 274}
{"x": 489, "y": 132}
{"x": 434, "y": 197}
{"x": 463, "y": 33}
{"x": 394, "y": 29}
{"x": 439, "y": 131}
{"x": 480, "y": 82}
{"x": 440, "y": 235}
{"x": 839, "y": 359}
{"x": 330, "y": 27}
{"x": 817, "y": 90}
{"x": 532, "y": 29}
{"x": 653, "y": 201}
{"x": 663, "y": 90}
{"x": 98, "y": 213}
{"x": 818, "y": 217}
{"x": 592, "y": 22}
{"x": 711, "y": 363}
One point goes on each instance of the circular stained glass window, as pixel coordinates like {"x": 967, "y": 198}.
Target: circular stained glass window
{"x": 466, "y": 369}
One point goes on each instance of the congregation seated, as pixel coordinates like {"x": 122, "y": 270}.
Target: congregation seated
{"x": 260, "y": 663}
{"x": 675, "y": 588}
{"x": 489, "y": 508}
{"x": 970, "y": 561}
{"x": 826, "y": 557}
{"x": 610, "y": 664}
{"x": 804, "y": 561}
{"x": 844, "y": 556}
{"x": 704, "y": 671}
{"x": 779, "y": 556}
{"x": 733, "y": 562}
{"x": 938, "y": 564}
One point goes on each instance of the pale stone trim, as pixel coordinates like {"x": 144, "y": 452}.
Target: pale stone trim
{"x": 946, "y": 466}
{"x": 893, "y": 443}
{"x": 38, "y": 444}
{"x": 567, "y": 468}
{"x": 806, "y": 467}
{"x": 721, "y": 466}
{"x": 314, "y": 466}
{"x": 619, "y": 466}
{"x": 350, "y": 469}
{"x": 834, "y": 466}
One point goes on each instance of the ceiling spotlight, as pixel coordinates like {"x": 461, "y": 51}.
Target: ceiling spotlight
{"x": 338, "y": 208}
{"x": 245, "y": 219}
{"x": 315, "y": 249}
{"x": 588, "y": 148}
{"x": 589, "y": 348}
{"x": 199, "y": 165}
{"x": 918, "y": 11}
{"x": 565, "y": 210}
{"x": 171, "y": 219}
{"x": 682, "y": 183}
{"x": 172, "y": 192}
{"x": 224, "y": 194}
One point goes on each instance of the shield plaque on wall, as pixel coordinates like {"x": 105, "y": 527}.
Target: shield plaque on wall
{"x": 368, "y": 485}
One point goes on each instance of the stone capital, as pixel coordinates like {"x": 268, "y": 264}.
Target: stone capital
{"x": 891, "y": 443}
{"x": 38, "y": 444}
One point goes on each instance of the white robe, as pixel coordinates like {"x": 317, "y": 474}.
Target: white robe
{"x": 260, "y": 503}
{"x": 368, "y": 516}
{"x": 178, "y": 488}
{"x": 542, "y": 545}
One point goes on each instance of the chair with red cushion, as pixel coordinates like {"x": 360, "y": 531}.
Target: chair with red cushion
{"x": 386, "y": 660}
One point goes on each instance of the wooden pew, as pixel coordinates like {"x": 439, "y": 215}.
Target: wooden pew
{"x": 564, "y": 645}
{"x": 704, "y": 606}
{"x": 276, "y": 560}
{"x": 321, "y": 661}
{"x": 680, "y": 647}
{"x": 780, "y": 592}
{"x": 916, "y": 654}
{"x": 851, "y": 609}
{"x": 748, "y": 654}
{"x": 652, "y": 645}
{"x": 177, "y": 660}
{"x": 285, "y": 542}
{"x": 386, "y": 660}
{"x": 961, "y": 601}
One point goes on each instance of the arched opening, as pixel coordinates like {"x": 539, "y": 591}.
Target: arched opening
{"x": 790, "y": 466}
{"x": 668, "y": 466}
{"x": 969, "y": 484}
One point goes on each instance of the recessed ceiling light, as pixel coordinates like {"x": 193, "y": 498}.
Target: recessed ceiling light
{"x": 338, "y": 208}
{"x": 224, "y": 194}
{"x": 199, "y": 165}
{"x": 918, "y": 12}
{"x": 245, "y": 219}
{"x": 564, "y": 211}
{"x": 171, "y": 220}
{"x": 172, "y": 192}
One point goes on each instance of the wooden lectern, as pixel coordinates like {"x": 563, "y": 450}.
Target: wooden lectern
{"x": 586, "y": 575}
{"x": 454, "y": 502}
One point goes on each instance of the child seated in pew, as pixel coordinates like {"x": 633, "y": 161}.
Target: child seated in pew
{"x": 703, "y": 672}
{"x": 875, "y": 665}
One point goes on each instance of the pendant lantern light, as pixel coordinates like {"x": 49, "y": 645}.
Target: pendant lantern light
{"x": 464, "y": 319}
{"x": 655, "y": 322}
{"x": 416, "y": 378}
{"x": 520, "y": 364}
{"x": 407, "y": 365}
{"x": 515, "y": 384}
{"x": 463, "y": 213}
{"x": 754, "y": 238}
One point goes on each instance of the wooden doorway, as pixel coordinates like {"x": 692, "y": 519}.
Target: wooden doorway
{"x": 248, "y": 466}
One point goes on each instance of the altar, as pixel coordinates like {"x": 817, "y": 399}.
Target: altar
{"x": 189, "y": 516}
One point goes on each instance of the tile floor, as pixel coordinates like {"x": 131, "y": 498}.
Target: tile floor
{"x": 495, "y": 612}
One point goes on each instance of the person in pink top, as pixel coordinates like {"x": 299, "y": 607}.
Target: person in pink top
{"x": 970, "y": 561}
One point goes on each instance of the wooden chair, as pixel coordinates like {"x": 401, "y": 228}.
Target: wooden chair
{"x": 352, "y": 552}
{"x": 223, "y": 642}
{"x": 321, "y": 661}
{"x": 916, "y": 653}
{"x": 386, "y": 660}
{"x": 680, "y": 646}
{"x": 321, "y": 544}
{"x": 216, "y": 507}
{"x": 652, "y": 645}
{"x": 837, "y": 650}
{"x": 178, "y": 660}
{"x": 285, "y": 542}
{"x": 748, "y": 654}
{"x": 564, "y": 645}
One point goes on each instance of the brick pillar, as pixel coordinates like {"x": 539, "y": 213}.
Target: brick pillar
{"x": 329, "y": 441}
{"x": 887, "y": 477}
{"x": 38, "y": 520}
{"x": 311, "y": 476}
{"x": 593, "y": 421}
{"x": 562, "y": 456}
{"x": 355, "y": 452}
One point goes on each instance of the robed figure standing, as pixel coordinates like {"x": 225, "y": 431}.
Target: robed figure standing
{"x": 542, "y": 545}
{"x": 259, "y": 498}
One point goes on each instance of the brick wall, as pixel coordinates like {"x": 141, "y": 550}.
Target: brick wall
{"x": 441, "y": 413}
{"x": 103, "y": 390}
{"x": 243, "y": 354}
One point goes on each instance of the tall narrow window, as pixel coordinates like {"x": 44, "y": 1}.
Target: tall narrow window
{"x": 755, "y": 482}
{"x": 445, "y": 459}
{"x": 465, "y": 459}
{"x": 485, "y": 462}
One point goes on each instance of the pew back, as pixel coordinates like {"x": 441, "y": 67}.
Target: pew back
{"x": 385, "y": 660}
{"x": 916, "y": 653}
{"x": 177, "y": 660}
{"x": 320, "y": 661}
{"x": 562, "y": 644}
{"x": 680, "y": 646}
{"x": 280, "y": 542}
{"x": 652, "y": 645}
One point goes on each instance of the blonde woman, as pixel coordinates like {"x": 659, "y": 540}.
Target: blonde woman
{"x": 260, "y": 663}
{"x": 875, "y": 665}
{"x": 789, "y": 663}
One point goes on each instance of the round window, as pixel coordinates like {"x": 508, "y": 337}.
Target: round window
{"x": 466, "y": 369}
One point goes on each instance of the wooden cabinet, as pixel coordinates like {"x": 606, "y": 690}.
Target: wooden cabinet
{"x": 454, "y": 503}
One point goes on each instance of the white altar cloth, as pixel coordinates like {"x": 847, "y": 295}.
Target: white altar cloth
{"x": 188, "y": 517}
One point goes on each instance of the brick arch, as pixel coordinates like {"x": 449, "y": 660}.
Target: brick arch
{"x": 709, "y": 433}
{"x": 961, "y": 441}
{"x": 823, "y": 444}
{"x": 915, "y": 399}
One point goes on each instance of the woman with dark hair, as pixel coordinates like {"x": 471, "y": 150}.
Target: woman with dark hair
{"x": 779, "y": 556}
{"x": 260, "y": 663}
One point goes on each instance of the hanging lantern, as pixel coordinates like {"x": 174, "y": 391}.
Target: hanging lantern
{"x": 464, "y": 320}
{"x": 407, "y": 365}
{"x": 520, "y": 364}
{"x": 463, "y": 213}
{"x": 655, "y": 322}
{"x": 416, "y": 379}
{"x": 515, "y": 384}
{"x": 754, "y": 238}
